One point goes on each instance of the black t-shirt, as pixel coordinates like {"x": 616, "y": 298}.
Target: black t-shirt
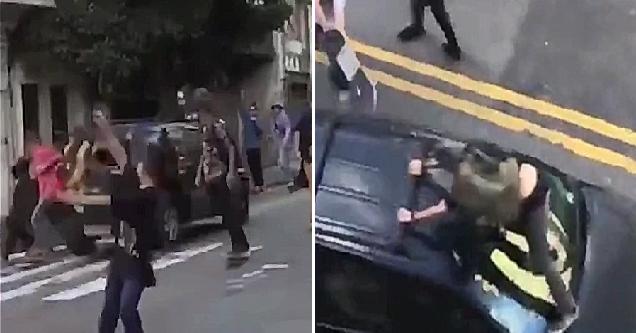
{"x": 137, "y": 208}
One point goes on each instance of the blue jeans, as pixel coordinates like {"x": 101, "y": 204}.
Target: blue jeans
{"x": 123, "y": 292}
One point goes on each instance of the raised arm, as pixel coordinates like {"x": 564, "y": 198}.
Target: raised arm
{"x": 112, "y": 143}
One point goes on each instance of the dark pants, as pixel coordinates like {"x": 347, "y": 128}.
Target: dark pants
{"x": 535, "y": 224}
{"x": 16, "y": 230}
{"x": 228, "y": 204}
{"x": 301, "y": 178}
{"x": 439, "y": 12}
{"x": 123, "y": 292}
{"x": 231, "y": 221}
{"x": 256, "y": 167}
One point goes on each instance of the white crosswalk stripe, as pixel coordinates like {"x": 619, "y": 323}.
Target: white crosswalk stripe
{"x": 74, "y": 277}
{"x": 100, "y": 283}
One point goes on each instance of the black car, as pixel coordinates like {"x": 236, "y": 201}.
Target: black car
{"x": 369, "y": 278}
{"x": 187, "y": 202}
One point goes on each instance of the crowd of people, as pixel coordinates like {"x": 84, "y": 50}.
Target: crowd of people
{"x": 132, "y": 176}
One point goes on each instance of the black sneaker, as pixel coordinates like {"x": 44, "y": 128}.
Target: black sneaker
{"x": 411, "y": 32}
{"x": 563, "y": 323}
{"x": 453, "y": 51}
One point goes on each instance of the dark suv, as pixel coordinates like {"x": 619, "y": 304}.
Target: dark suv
{"x": 191, "y": 202}
{"x": 373, "y": 276}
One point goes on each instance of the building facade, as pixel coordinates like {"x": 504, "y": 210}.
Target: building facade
{"x": 37, "y": 95}
{"x": 297, "y": 59}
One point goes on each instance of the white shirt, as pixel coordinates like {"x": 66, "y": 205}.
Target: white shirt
{"x": 335, "y": 21}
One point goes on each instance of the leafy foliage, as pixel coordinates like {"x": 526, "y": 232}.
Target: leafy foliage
{"x": 112, "y": 40}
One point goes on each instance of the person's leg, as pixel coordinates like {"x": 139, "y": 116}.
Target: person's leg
{"x": 112, "y": 296}
{"x": 301, "y": 177}
{"x": 254, "y": 162}
{"x": 542, "y": 261}
{"x": 364, "y": 92}
{"x": 130, "y": 295}
{"x": 230, "y": 220}
{"x": 443, "y": 19}
{"x": 416, "y": 28}
{"x": 43, "y": 233}
{"x": 9, "y": 237}
{"x": 285, "y": 163}
{"x": 308, "y": 172}
{"x": 23, "y": 234}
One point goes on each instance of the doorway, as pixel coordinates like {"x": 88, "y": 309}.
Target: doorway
{"x": 59, "y": 115}
{"x": 31, "y": 110}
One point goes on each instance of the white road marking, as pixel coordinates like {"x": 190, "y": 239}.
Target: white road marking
{"x": 235, "y": 287}
{"x": 59, "y": 248}
{"x": 100, "y": 283}
{"x": 84, "y": 289}
{"x": 18, "y": 255}
{"x": 252, "y": 274}
{"x": 275, "y": 266}
{"x": 21, "y": 275}
{"x": 32, "y": 287}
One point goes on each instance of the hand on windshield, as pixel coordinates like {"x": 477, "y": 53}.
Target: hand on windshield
{"x": 404, "y": 215}
{"x": 441, "y": 207}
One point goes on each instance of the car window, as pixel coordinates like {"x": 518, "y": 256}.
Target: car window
{"x": 363, "y": 182}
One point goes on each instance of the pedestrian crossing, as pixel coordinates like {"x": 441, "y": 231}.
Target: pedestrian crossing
{"x": 69, "y": 277}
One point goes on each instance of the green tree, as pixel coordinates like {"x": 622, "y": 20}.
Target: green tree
{"x": 141, "y": 46}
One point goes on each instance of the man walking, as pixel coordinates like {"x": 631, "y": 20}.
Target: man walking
{"x": 304, "y": 128}
{"x": 416, "y": 28}
{"x": 252, "y": 134}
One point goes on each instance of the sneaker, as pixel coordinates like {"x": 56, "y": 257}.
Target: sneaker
{"x": 34, "y": 255}
{"x": 411, "y": 32}
{"x": 238, "y": 255}
{"x": 562, "y": 324}
{"x": 292, "y": 187}
{"x": 453, "y": 51}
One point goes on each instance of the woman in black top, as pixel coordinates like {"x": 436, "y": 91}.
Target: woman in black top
{"x": 134, "y": 202}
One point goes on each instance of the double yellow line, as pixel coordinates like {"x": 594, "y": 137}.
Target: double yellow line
{"x": 497, "y": 117}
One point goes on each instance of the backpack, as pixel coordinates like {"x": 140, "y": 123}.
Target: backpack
{"x": 488, "y": 192}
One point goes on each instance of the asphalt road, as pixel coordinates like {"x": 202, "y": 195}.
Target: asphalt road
{"x": 195, "y": 290}
{"x": 572, "y": 54}
{"x": 543, "y": 49}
